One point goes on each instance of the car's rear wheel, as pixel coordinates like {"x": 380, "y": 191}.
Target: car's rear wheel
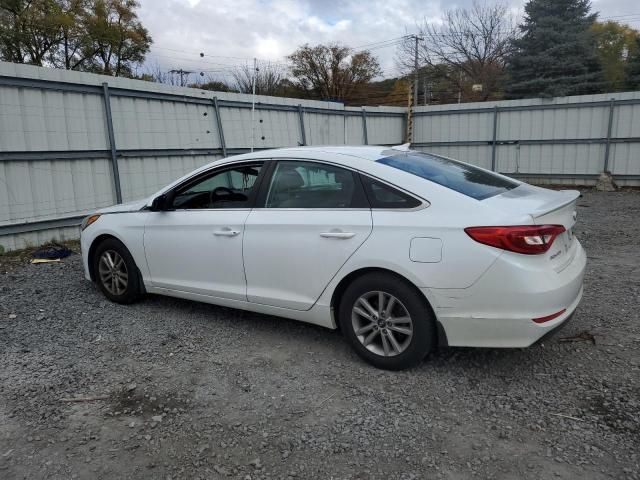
{"x": 116, "y": 272}
{"x": 386, "y": 321}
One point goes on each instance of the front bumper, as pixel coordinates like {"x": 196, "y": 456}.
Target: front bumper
{"x": 84, "y": 251}
{"x": 498, "y": 310}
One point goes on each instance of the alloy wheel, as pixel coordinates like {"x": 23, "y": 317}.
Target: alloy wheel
{"x": 382, "y": 323}
{"x": 113, "y": 272}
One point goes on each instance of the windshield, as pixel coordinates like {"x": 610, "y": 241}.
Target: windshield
{"x": 458, "y": 176}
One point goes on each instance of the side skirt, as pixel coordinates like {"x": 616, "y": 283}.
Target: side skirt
{"x": 317, "y": 315}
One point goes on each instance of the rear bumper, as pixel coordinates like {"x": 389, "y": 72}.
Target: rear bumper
{"x": 498, "y": 310}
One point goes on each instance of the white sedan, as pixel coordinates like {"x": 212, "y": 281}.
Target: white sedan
{"x": 401, "y": 250}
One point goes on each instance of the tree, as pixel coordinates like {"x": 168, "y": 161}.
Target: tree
{"x": 375, "y": 93}
{"x": 29, "y": 30}
{"x": 268, "y": 78}
{"x": 556, "y": 54}
{"x": 102, "y": 36}
{"x": 117, "y": 36}
{"x": 444, "y": 83}
{"x": 399, "y": 93}
{"x": 632, "y": 68}
{"x": 331, "y": 72}
{"x": 213, "y": 85}
{"x": 615, "y": 43}
{"x": 468, "y": 47}
{"x": 74, "y": 49}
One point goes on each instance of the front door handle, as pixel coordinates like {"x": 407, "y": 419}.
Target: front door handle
{"x": 339, "y": 235}
{"x": 226, "y": 232}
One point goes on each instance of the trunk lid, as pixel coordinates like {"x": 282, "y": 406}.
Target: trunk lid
{"x": 545, "y": 207}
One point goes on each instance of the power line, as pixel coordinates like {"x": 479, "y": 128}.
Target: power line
{"x": 379, "y": 42}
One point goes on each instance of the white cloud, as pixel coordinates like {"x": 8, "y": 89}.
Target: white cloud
{"x": 234, "y": 31}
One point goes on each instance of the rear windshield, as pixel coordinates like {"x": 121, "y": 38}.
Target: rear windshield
{"x": 458, "y": 176}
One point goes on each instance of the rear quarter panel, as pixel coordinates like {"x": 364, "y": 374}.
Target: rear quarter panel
{"x": 461, "y": 261}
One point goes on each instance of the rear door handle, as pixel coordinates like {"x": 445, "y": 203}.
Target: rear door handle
{"x": 339, "y": 235}
{"x": 226, "y": 232}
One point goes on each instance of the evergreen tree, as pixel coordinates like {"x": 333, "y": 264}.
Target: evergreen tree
{"x": 632, "y": 70}
{"x": 556, "y": 54}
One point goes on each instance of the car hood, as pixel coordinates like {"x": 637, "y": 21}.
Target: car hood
{"x": 125, "y": 207}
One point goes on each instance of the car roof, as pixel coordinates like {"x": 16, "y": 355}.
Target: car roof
{"x": 369, "y": 152}
{"x": 349, "y": 156}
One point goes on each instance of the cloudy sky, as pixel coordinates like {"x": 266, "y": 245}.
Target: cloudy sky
{"x": 232, "y": 32}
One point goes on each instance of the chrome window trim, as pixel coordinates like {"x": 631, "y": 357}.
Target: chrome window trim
{"x": 222, "y": 167}
{"x": 424, "y": 203}
{"x": 213, "y": 170}
{"x": 207, "y": 210}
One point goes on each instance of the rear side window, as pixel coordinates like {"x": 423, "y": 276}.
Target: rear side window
{"x": 299, "y": 184}
{"x": 381, "y": 195}
{"x": 461, "y": 177}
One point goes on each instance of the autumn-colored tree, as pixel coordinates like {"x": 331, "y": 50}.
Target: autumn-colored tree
{"x": 632, "y": 68}
{"x": 74, "y": 49}
{"x": 399, "y": 94}
{"x": 103, "y": 36}
{"x": 117, "y": 37}
{"x": 372, "y": 93}
{"x": 331, "y": 72}
{"x": 615, "y": 43}
{"x": 29, "y": 30}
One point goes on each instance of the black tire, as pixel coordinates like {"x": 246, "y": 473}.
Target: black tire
{"x": 133, "y": 290}
{"x": 424, "y": 334}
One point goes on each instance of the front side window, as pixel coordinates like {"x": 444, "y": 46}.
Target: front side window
{"x": 298, "y": 184}
{"x": 461, "y": 177}
{"x": 230, "y": 188}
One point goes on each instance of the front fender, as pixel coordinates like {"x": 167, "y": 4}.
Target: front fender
{"x": 127, "y": 227}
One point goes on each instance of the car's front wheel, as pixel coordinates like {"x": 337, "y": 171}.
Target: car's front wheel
{"x": 116, "y": 272}
{"x": 386, "y": 321}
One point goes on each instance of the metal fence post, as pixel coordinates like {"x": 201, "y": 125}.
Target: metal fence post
{"x": 364, "y": 127}
{"x": 303, "y": 133}
{"x": 607, "y": 148}
{"x": 112, "y": 142}
{"x": 493, "y": 142}
{"x": 223, "y": 145}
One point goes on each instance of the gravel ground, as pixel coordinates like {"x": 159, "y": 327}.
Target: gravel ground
{"x": 187, "y": 390}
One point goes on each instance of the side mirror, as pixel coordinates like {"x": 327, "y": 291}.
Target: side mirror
{"x": 157, "y": 204}
{"x": 162, "y": 202}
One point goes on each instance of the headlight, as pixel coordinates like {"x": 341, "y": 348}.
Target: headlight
{"x": 88, "y": 221}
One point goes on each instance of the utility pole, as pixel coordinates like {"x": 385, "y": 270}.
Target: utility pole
{"x": 409, "y": 130}
{"x": 182, "y": 74}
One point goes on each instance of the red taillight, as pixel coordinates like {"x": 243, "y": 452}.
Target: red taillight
{"x": 549, "y": 317}
{"x": 527, "y": 239}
